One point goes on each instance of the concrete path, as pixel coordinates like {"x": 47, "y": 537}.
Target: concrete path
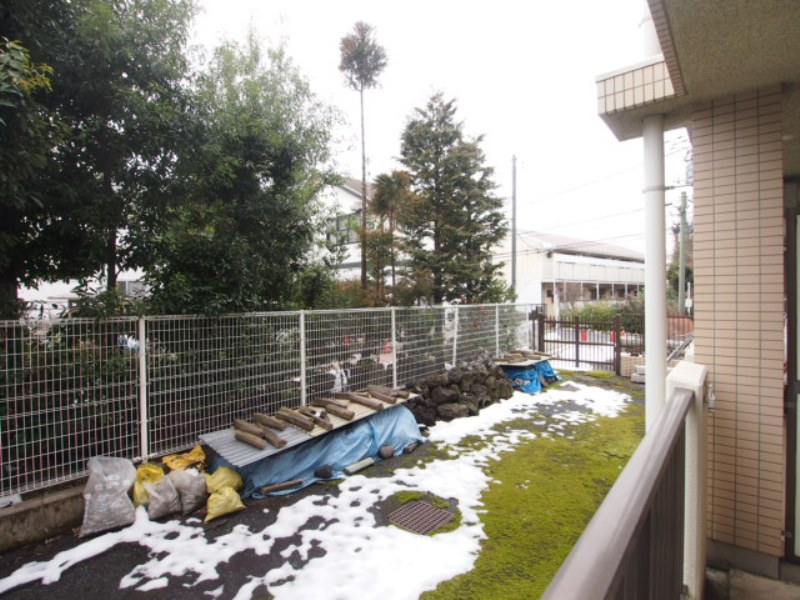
{"x": 738, "y": 585}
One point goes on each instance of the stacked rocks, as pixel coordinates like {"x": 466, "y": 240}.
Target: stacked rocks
{"x": 462, "y": 391}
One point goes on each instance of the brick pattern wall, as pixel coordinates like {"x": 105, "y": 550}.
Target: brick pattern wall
{"x": 739, "y": 326}
{"x": 639, "y": 86}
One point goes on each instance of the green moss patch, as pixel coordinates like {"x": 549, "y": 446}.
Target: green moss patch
{"x": 604, "y": 375}
{"x": 545, "y": 493}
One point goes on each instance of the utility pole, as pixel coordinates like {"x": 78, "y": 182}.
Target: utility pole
{"x": 514, "y": 223}
{"x": 682, "y": 258}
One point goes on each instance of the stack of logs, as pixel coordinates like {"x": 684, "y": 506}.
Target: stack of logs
{"x": 462, "y": 391}
{"x": 263, "y": 428}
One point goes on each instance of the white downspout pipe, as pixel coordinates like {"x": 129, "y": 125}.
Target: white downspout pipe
{"x": 655, "y": 269}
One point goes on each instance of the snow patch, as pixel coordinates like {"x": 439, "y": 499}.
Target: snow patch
{"x": 392, "y": 563}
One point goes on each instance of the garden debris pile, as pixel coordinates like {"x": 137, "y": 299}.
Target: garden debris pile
{"x": 460, "y": 392}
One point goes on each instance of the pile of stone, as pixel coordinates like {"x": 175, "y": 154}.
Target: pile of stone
{"x": 460, "y": 392}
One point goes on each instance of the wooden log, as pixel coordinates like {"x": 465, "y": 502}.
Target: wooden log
{"x": 362, "y": 464}
{"x": 342, "y": 413}
{"x": 318, "y": 419}
{"x": 363, "y": 400}
{"x": 295, "y": 418}
{"x": 382, "y": 389}
{"x": 276, "y": 487}
{"x": 273, "y": 438}
{"x": 380, "y": 395}
{"x": 269, "y": 421}
{"x": 245, "y": 426}
{"x": 249, "y": 438}
{"x": 321, "y": 401}
{"x": 324, "y": 472}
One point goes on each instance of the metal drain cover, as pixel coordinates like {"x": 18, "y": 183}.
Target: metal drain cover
{"x": 420, "y": 517}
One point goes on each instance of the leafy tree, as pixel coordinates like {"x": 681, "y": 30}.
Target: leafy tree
{"x": 107, "y": 126}
{"x": 238, "y": 233}
{"x": 454, "y": 219}
{"x": 120, "y": 83}
{"x": 362, "y": 60}
{"x": 26, "y": 136}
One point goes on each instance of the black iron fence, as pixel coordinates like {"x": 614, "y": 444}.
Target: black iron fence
{"x": 601, "y": 345}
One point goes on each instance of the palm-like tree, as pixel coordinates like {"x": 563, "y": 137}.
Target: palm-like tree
{"x": 390, "y": 193}
{"x": 362, "y": 60}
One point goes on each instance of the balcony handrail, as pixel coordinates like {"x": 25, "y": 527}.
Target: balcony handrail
{"x": 594, "y": 568}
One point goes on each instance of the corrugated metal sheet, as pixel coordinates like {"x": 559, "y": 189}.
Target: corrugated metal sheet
{"x": 240, "y": 454}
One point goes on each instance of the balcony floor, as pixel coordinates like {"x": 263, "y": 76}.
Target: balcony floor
{"x": 738, "y": 585}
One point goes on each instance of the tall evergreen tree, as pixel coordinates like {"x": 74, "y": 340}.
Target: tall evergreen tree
{"x": 455, "y": 219}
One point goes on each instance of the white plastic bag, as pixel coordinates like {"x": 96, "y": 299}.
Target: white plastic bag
{"x": 106, "y": 501}
{"x": 191, "y": 486}
{"x": 164, "y": 499}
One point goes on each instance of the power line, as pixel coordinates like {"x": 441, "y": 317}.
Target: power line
{"x": 598, "y": 180}
{"x": 532, "y": 250}
{"x": 619, "y": 214}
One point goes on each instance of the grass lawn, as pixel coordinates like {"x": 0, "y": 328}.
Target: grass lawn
{"x": 546, "y": 491}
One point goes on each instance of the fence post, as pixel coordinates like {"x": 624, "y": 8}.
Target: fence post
{"x": 497, "y": 330}
{"x": 576, "y": 323}
{"x": 617, "y": 345}
{"x": 143, "y": 419}
{"x": 394, "y": 347}
{"x": 302, "y": 358}
{"x": 540, "y": 332}
{"x": 455, "y": 337}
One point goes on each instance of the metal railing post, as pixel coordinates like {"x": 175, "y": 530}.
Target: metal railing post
{"x": 576, "y": 324}
{"x": 455, "y": 337}
{"x": 540, "y": 332}
{"x": 617, "y": 345}
{"x": 303, "y": 358}
{"x": 143, "y": 419}
{"x": 497, "y": 330}
{"x": 394, "y": 347}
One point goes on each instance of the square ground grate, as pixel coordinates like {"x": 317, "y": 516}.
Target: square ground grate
{"x": 420, "y": 517}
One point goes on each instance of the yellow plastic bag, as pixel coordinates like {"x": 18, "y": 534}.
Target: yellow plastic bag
{"x": 224, "y": 476}
{"x": 180, "y": 462}
{"x": 146, "y": 473}
{"x": 224, "y": 501}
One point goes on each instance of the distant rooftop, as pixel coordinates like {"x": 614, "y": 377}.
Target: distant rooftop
{"x": 569, "y": 245}
{"x": 353, "y": 186}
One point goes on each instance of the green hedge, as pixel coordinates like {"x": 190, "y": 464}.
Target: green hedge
{"x": 601, "y": 315}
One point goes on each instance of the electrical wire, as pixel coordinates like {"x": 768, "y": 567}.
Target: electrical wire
{"x": 532, "y": 250}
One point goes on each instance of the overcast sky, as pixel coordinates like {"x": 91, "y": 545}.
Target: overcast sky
{"x": 522, "y": 74}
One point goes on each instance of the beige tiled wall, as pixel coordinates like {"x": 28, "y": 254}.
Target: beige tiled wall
{"x": 640, "y": 85}
{"x": 739, "y": 318}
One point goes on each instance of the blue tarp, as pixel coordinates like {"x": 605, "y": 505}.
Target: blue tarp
{"x": 530, "y": 378}
{"x": 546, "y": 371}
{"x": 395, "y": 426}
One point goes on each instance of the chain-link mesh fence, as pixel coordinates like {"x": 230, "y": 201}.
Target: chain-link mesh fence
{"x": 135, "y": 388}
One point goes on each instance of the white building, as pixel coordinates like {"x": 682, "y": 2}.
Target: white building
{"x": 345, "y": 202}
{"x": 578, "y": 270}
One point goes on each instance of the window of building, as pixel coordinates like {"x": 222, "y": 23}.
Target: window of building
{"x": 343, "y": 229}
